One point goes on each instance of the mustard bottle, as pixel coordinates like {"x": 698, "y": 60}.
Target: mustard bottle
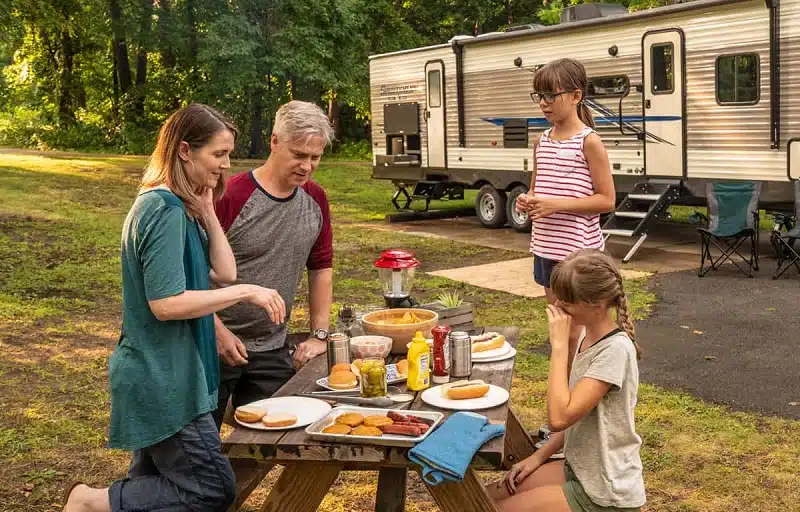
{"x": 419, "y": 363}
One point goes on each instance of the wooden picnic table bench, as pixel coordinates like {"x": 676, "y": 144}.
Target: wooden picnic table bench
{"x": 311, "y": 466}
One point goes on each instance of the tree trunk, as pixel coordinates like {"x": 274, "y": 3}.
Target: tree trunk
{"x": 509, "y": 12}
{"x": 165, "y": 27}
{"x": 257, "y": 142}
{"x": 66, "y": 99}
{"x": 334, "y": 111}
{"x": 120, "y": 48}
{"x": 145, "y": 29}
{"x": 190, "y": 18}
{"x": 114, "y": 82}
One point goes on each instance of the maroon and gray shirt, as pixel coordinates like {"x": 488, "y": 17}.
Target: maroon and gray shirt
{"x": 273, "y": 240}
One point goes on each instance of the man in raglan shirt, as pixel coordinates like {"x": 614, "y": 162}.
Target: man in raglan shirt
{"x": 278, "y": 223}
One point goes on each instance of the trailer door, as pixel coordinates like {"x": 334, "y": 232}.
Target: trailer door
{"x": 434, "y": 113}
{"x": 664, "y": 102}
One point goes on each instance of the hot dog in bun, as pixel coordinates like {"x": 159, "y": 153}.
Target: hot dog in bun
{"x": 487, "y": 341}
{"x": 463, "y": 390}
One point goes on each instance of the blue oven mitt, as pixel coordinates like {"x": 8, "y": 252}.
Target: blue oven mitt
{"x": 448, "y": 451}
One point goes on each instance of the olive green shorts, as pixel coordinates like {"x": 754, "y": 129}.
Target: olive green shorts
{"x": 579, "y": 501}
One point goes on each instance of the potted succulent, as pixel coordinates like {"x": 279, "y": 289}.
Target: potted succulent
{"x": 452, "y": 310}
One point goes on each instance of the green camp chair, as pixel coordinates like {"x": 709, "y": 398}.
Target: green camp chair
{"x": 732, "y": 219}
{"x": 783, "y": 242}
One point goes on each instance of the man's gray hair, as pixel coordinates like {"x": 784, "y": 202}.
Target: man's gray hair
{"x": 301, "y": 120}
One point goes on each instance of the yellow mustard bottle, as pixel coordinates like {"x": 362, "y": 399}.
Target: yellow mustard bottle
{"x": 419, "y": 363}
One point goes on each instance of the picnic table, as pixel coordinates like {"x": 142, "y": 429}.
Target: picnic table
{"x": 311, "y": 466}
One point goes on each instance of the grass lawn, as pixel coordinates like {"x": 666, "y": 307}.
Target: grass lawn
{"x": 60, "y": 221}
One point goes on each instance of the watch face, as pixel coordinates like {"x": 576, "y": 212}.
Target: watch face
{"x": 321, "y": 334}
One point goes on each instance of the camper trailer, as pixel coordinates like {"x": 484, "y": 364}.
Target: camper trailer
{"x": 682, "y": 95}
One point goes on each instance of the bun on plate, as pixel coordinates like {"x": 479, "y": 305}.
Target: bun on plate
{"x": 340, "y": 367}
{"x": 249, "y": 413}
{"x": 279, "y": 419}
{"x": 487, "y": 341}
{"x": 342, "y": 380}
{"x": 466, "y": 389}
{"x": 402, "y": 367}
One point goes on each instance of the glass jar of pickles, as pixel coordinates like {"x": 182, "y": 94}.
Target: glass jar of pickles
{"x": 373, "y": 377}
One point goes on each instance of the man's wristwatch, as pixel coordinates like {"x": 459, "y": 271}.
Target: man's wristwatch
{"x": 320, "y": 334}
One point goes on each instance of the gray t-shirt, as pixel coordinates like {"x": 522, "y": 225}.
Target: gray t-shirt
{"x": 602, "y": 448}
{"x": 273, "y": 240}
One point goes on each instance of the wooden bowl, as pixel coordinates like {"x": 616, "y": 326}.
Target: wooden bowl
{"x": 401, "y": 334}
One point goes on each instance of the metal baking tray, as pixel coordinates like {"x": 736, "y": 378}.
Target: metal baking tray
{"x": 315, "y": 429}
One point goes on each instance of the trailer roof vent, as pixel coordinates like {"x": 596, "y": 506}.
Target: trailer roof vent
{"x": 460, "y": 37}
{"x": 527, "y": 26}
{"x": 581, "y": 12}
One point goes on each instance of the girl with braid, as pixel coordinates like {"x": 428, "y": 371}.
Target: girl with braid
{"x": 590, "y": 405}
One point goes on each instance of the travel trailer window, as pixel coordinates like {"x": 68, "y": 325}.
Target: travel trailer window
{"x": 608, "y": 86}
{"x": 434, "y": 94}
{"x": 738, "y": 79}
{"x": 661, "y": 64}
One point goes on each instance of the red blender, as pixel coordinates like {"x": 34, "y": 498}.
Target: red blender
{"x": 396, "y": 275}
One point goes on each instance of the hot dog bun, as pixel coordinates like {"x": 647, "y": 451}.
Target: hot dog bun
{"x": 342, "y": 380}
{"x": 487, "y": 341}
{"x": 279, "y": 419}
{"x": 249, "y": 413}
{"x": 402, "y": 367}
{"x": 466, "y": 389}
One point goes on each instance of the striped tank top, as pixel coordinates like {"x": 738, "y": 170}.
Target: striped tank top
{"x": 562, "y": 172}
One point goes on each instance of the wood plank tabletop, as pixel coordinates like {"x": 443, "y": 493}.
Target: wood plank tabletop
{"x": 297, "y": 445}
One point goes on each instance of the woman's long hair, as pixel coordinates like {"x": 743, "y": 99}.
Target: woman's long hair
{"x": 569, "y": 75}
{"x": 195, "y": 124}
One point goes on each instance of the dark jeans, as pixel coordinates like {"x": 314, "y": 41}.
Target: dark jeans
{"x": 186, "y": 472}
{"x": 261, "y": 377}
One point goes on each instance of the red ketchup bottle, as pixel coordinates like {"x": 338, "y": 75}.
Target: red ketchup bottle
{"x": 441, "y": 355}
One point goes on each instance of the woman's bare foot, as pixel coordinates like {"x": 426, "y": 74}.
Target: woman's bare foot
{"x": 86, "y": 499}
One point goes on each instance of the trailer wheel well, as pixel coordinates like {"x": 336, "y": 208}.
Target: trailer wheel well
{"x": 478, "y": 184}
{"x": 511, "y": 186}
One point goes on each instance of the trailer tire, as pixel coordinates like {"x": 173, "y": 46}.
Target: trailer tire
{"x": 490, "y": 205}
{"x": 520, "y": 222}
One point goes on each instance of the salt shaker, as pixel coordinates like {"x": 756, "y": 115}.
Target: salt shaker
{"x": 461, "y": 350}
{"x": 338, "y": 349}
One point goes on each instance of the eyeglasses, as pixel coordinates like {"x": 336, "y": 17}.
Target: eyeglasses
{"x": 548, "y": 97}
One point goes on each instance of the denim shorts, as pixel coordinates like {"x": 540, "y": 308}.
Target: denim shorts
{"x": 543, "y": 270}
{"x": 184, "y": 472}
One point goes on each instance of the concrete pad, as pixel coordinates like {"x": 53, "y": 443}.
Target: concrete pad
{"x": 513, "y": 276}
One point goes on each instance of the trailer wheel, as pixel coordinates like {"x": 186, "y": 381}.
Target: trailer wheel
{"x": 490, "y": 205}
{"x": 519, "y": 221}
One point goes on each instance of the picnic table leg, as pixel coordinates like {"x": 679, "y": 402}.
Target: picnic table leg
{"x": 301, "y": 487}
{"x": 391, "y": 489}
{"x": 460, "y": 496}
{"x": 249, "y": 473}
{"x": 518, "y": 444}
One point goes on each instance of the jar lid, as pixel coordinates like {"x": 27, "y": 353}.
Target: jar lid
{"x": 396, "y": 259}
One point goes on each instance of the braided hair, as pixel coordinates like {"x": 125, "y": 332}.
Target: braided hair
{"x": 592, "y": 277}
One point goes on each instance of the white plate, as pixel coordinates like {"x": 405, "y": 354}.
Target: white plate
{"x": 508, "y": 355}
{"x": 496, "y": 396}
{"x": 488, "y": 354}
{"x": 307, "y": 410}
{"x": 392, "y": 377}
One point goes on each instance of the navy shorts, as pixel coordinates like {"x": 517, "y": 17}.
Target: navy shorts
{"x": 542, "y": 270}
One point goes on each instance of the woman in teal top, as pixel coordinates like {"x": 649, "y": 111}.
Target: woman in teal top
{"x": 164, "y": 372}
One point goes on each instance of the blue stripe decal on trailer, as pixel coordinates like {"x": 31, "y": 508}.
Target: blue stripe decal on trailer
{"x": 541, "y": 121}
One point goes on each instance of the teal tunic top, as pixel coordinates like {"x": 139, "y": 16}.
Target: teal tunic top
{"x": 163, "y": 374}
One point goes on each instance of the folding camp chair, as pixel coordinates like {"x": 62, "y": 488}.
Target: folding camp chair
{"x": 732, "y": 219}
{"x": 783, "y": 242}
